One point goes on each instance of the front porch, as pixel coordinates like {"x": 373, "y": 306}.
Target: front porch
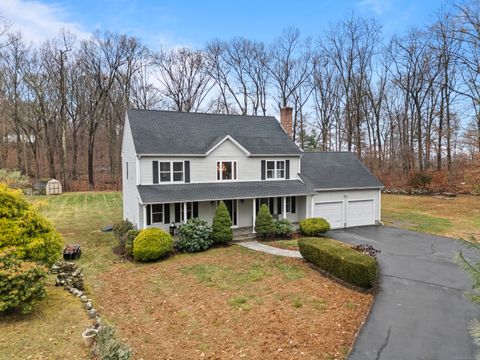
{"x": 242, "y": 211}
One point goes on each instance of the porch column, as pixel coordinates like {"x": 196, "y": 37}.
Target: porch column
{"x": 184, "y": 212}
{"x": 144, "y": 208}
{"x": 285, "y": 207}
{"x": 254, "y": 215}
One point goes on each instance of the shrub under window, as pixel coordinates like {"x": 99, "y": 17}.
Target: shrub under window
{"x": 195, "y": 235}
{"x": 264, "y": 225}
{"x": 284, "y": 228}
{"x": 152, "y": 244}
{"x": 222, "y": 232}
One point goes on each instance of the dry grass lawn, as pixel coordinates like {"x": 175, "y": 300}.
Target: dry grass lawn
{"x": 221, "y": 304}
{"x": 457, "y": 217}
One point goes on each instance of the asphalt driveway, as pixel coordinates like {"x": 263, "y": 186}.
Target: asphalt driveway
{"x": 420, "y": 311}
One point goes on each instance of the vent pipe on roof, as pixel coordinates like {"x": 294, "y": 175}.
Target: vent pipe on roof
{"x": 286, "y": 120}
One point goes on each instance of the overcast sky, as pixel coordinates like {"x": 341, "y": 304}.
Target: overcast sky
{"x": 193, "y": 23}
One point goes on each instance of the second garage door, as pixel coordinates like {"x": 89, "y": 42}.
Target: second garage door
{"x": 360, "y": 212}
{"x": 330, "y": 211}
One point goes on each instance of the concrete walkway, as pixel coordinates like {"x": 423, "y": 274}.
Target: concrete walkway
{"x": 254, "y": 245}
{"x": 421, "y": 311}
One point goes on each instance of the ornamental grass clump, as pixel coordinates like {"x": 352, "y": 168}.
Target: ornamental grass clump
{"x": 222, "y": 232}
{"x": 152, "y": 244}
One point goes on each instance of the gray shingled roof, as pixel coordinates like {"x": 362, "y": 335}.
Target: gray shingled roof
{"x": 170, "y": 132}
{"x": 336, "y": 170}
{"x": 219, "y": 191}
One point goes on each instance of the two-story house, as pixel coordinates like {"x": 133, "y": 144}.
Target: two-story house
{"x": 179, "y": 165}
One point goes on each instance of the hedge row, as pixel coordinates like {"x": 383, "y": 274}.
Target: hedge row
{"x": 340, "y": 260}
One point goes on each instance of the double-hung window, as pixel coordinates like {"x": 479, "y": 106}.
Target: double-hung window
{"x": 157, "y": 213}
{"x": 276, "y": 169}
{"x": 226, "y": 170}
{"x": 171, "y": 171}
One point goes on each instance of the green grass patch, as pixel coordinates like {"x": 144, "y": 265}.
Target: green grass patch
{"x": 284, "y": 244}
{"x": 420, "y": 222}
{"x": 289, "y": 271}
{"x": 240, "y": 302}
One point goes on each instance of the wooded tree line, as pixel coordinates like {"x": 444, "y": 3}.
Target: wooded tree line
{"x": 404, "y": 103}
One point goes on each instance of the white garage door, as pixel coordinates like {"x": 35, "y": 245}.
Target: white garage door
{"x": 330, "y": 211}
{"x": 360, "y": 212}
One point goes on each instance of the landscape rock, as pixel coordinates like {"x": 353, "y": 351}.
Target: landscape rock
{"x": 88, "y": 305}
{"x": 92, "y": 313}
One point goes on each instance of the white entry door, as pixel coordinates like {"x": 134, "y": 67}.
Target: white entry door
{"x": 360, "y": 212}
{"x": 331, "y": 211}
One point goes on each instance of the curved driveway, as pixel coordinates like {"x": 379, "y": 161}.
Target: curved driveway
{"x": 420, "y": 311}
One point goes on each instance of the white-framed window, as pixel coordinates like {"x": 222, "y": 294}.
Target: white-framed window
{"x": 276, "y": 169}
{"x": 157, "y": 213}
{"x": 171, "y": 171}
{"x": 226, "y": 170}
{"x": 290, "y": 204}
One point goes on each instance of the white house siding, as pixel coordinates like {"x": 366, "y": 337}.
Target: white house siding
{"x": 130, "y": 193}
{"x": 346, "y": 196}
{"x": 204, "y": 169}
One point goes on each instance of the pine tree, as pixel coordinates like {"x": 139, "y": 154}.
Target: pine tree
{"x": 222, "y": 232}
{"x": 264, "y": 225}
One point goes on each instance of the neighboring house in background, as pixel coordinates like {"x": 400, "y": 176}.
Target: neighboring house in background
{"x": 179, "y": 165}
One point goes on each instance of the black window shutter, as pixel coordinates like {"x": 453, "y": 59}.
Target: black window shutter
{"x": 187, "y": 171}
{"x": 293, "y": 205}
{"x": 279, "y": 205}
{"x": 166, "y": 213}
{"x": 195, "y": 209}
{"x": 287, "y": 169}
{"x": 257, "y": 205}
{"x": 270, "y": 205}
{"x": 155, "y": 171}
{"x": 149, "y": 215}
{"x": 177, "y": 212}
{"x": 263, "y": 169}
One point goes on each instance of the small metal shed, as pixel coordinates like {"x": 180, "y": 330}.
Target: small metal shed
{"x": 48, "y": 187}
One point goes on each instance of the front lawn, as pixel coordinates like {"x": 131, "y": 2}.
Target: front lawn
{"x": 457, "y": 217}
{"x": 227, "y": 302}
{"x": 283, "y": 244}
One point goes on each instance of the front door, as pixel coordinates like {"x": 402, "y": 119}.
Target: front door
{"x": 232, "y": 210}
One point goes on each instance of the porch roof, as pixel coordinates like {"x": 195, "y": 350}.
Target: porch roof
{"x": 220, "y": 191}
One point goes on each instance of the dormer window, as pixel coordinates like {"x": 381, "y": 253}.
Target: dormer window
{"x": 226, "y": 170}
{"x": 276, "y": 169}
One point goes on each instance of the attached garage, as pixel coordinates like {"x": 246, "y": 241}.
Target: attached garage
{"x": 347, "y": 193}
{"x": 332, "y": 211}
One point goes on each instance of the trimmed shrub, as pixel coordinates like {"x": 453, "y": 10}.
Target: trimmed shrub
{"x": 340, "y": 260}
{"x": 195, "y": 235}
{"x": 314, "y": 226}
{"x": 129, "y": 237}
{"x": 22, "y": 283}
{"x": 152, "y": 244}
{"x": 108, "y": 346}
{"x": 23, "y": 229}
{"x": 222, "y": 232}
{"x": 120, "y": 230}
{"x": 264, "y": 225}
{"x": 14, "y": 179}
{"x": 284, "y": 228}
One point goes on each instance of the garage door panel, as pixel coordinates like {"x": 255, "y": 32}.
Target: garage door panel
{"x": 360, "y": 212}
{"x": 330, "y": 211}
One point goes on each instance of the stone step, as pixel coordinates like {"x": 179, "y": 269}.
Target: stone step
{"x": 244, "y": 236}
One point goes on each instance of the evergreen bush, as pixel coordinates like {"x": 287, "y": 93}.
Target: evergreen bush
{"x": 284, "y": 228}
{"x": 314, "y": 226}
{"x": 195, "y": 235}
{"x": 222, "y": 232}
{"x": 129, "y": 237}
{"x": 264, "y": 225}
{"x": 152, "y": 244}
{"x": 25, "y": 231}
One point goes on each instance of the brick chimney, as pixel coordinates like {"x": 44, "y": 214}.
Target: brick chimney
{"x": 286, "y": 120}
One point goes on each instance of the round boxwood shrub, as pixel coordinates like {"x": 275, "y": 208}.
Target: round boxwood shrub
{"x": 264, "y": 225}
{"x": 222, "y": 232}
{"x": 25, "y": 231}
{"x": 314, "y": 226}
{"x": 195, "y": 235}
{"x": 22, "y": 283}
{"x": 152, "y": 244}
{"x": 284, "y": 228}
